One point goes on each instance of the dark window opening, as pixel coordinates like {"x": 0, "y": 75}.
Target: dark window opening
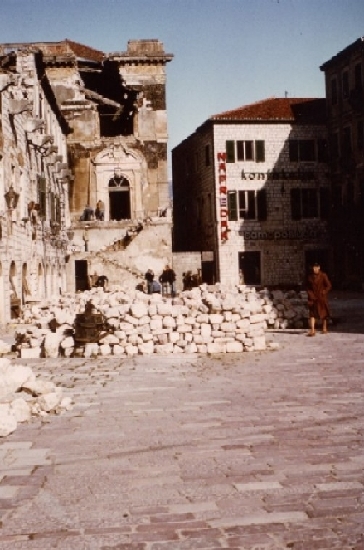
{"x": 358, "y": 79}
{"x": 360, "y": 135}
{"x": 322, "y": 153}
{"x": 334, "y": 95}
{"x": 301, "y": 150}
{"x": 230, "y": 151}
{"x": 308, "y": 203}
{"x": 232, "y": 205}
{"x": 207, "y": 156}
{"x": 119, "y": 199}
{"x": 249, "y": 267}
{"x": 345, "y": 83}
{"x": 116, "y": 102}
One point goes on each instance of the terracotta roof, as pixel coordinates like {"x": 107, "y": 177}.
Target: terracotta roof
{"x": 288, "y": 109}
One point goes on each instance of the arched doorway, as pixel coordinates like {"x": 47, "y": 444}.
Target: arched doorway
{"x": 119, "y": 198}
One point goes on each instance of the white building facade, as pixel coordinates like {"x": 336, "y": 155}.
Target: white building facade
{"x": 253, "y": 184}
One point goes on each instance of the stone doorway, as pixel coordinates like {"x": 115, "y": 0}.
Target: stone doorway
{"x": 119, "y": 198}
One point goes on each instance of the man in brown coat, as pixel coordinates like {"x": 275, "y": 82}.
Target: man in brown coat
{"x": 318, "y": 286}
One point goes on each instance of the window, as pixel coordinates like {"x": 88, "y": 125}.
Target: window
{"x": 358, "y": 81}
{"x": 246, "y": 150}
{"x": 361, "y": 192}
{"x": 259, "y": 151}
{"x": 302, "y": 150}
{"x": 232, "y": 206}
{"x": 346, "y": 142}
{"x": 345, "y": 84}
{"x": 247, "y": 209}
{"x": 334, "y": 141}
{"x": 334, "y": 91}
{"x": 247, "y": 205}
{"x": 309, "y": 203}
{"x": 207, "y": 155}
{"x": 230, "y": 151}
{"x": 322, "y": 155}
{"x": 42, "y": 197}
{"x": 360, "y": 135}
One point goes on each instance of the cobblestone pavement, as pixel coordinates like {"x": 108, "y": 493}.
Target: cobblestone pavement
{"x": 256, "y": 451}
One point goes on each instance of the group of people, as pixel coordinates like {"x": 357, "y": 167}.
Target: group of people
{"x": 166, "y": 283}
{"x": 90, "y": 214}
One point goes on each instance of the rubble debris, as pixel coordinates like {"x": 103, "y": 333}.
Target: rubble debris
{"x": 205, "y": 320}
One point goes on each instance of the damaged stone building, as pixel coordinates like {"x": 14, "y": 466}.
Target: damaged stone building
{"x": 79, "y": 128}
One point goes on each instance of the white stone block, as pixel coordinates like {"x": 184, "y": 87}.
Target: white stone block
{"x": 234, "y": 347}
{"x": 216, "y": 318}
{"x": 105, "y": 349}
{"x": 164, "y": 349}
{"x": 30, "y": 353}
{"x": 67, "y": 342}
{"x": 49, "y": 401}
{"x": 156, "y": 324}
{"x": 173, "y": 337}
{"x": 205, "y": 330}
{"x": 191, "y": 348}
{"x": 201, "y": 348}
{"x": 131, "y": 350}
{"x": 139, "y": 310}
{"x": 147, "y": 348}
{"x": 168, "y": 322}
{"x": 118, "y": 350}
{"x": 259, "y": 343}
{"x": 20, "y": 409}
{"x": 91, "y": 349}
{"x": 214, "y": 348}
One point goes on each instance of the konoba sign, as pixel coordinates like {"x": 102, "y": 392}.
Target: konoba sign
{"x": 300, "y": 175}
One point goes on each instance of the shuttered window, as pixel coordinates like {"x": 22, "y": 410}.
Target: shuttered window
{"x": 309, "y": 203}
{"x": 232, "y": 206}
{"x": 230, "y": 151}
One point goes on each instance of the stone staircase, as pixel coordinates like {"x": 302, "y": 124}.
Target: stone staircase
{"x": 125, "y": 264}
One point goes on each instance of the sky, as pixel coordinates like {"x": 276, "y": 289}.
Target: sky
{"x": 227, "y": 53}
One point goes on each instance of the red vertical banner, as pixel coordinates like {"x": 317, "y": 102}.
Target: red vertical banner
{"x": 221, "y": 162}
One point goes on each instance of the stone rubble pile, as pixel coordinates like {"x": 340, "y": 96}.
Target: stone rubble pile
{"x": 23, "y": 396}
{"x": 202, "y": 320}
{"x": 289, "y": 309}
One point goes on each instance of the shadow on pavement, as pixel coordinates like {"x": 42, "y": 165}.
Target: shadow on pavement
{"x": 347, "y": 311}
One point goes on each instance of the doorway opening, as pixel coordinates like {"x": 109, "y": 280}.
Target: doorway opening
{"x": 119, "y": 198}
{"x": 81, "y": 275}
{"x": 249, "y": 268}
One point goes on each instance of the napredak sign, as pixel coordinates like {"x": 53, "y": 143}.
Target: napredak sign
{"x": 221, "y": 174}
